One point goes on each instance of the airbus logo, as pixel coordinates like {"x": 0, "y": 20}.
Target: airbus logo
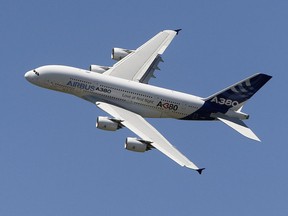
{"x": 88, "y": 87}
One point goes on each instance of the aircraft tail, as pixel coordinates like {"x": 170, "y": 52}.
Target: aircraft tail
{"x": 226, "y": 105}
{"x": 233, "y": 97}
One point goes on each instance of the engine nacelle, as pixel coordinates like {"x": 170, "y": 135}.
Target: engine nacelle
{"x": 98, "y": 68}
{"x": 133, "y": 144}
{"x": 106, "y": 123}
{"x": 120, "y": 53}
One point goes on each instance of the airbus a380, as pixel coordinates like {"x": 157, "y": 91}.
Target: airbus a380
{"x": 123, "y": 92}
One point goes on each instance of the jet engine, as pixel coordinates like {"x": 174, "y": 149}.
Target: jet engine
{"x": 120, "y": 53}
{"x": 98, "y": 68}
{"x": 108, "y": 124}
{"x": 136, "y": 145}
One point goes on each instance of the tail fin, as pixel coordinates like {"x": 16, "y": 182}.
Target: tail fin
{"x": 235, "y": 96}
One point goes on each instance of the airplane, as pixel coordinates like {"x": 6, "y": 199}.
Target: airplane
{"x": 123, "y": 92}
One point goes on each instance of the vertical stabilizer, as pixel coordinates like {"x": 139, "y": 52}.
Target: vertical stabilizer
{"x": 235, "y": 96}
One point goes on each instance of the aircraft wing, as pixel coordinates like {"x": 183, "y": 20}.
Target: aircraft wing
{"x": 147, "y": 132}
{"x": 140, "y": 65}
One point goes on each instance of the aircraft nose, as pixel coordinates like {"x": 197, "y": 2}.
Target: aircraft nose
{"x": 31, "y": 75}
{"x": 28, "y": 76}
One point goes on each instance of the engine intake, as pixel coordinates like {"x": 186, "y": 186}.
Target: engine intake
{"x": 136, "y": 145}
{"x": 120, "y": 53}
{"x": 98, "y": 68}
{"x": 105, "y": 123}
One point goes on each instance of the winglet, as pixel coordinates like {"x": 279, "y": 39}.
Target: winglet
{"x": 177, "y": 31}
{"x": 200, "y": 170}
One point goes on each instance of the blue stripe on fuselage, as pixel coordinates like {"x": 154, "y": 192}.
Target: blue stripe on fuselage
{"x": 205, "y": 111}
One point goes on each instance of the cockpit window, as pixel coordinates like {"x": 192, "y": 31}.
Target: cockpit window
{"x": 36, "y": 72}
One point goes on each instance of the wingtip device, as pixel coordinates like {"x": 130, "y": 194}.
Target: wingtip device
{"x": 200, "y": 170}
{"x": 177, "y": 31}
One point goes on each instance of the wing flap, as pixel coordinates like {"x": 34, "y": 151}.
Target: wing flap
{"x": 145, "y": 131}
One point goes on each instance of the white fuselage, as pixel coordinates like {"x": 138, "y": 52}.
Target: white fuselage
{"x": 145, "y": 100}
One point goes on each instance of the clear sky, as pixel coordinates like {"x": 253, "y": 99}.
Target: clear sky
{"x": 53, "y": 161}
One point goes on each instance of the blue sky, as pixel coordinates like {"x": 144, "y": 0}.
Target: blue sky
{"x": 53, "y": 161}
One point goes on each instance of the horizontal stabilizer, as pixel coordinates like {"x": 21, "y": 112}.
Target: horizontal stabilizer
{"x": 238, "y": 125}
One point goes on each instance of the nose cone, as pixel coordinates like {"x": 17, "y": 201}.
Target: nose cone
{"x": 29, "y": 76}
{"x": 26, "y": 75}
